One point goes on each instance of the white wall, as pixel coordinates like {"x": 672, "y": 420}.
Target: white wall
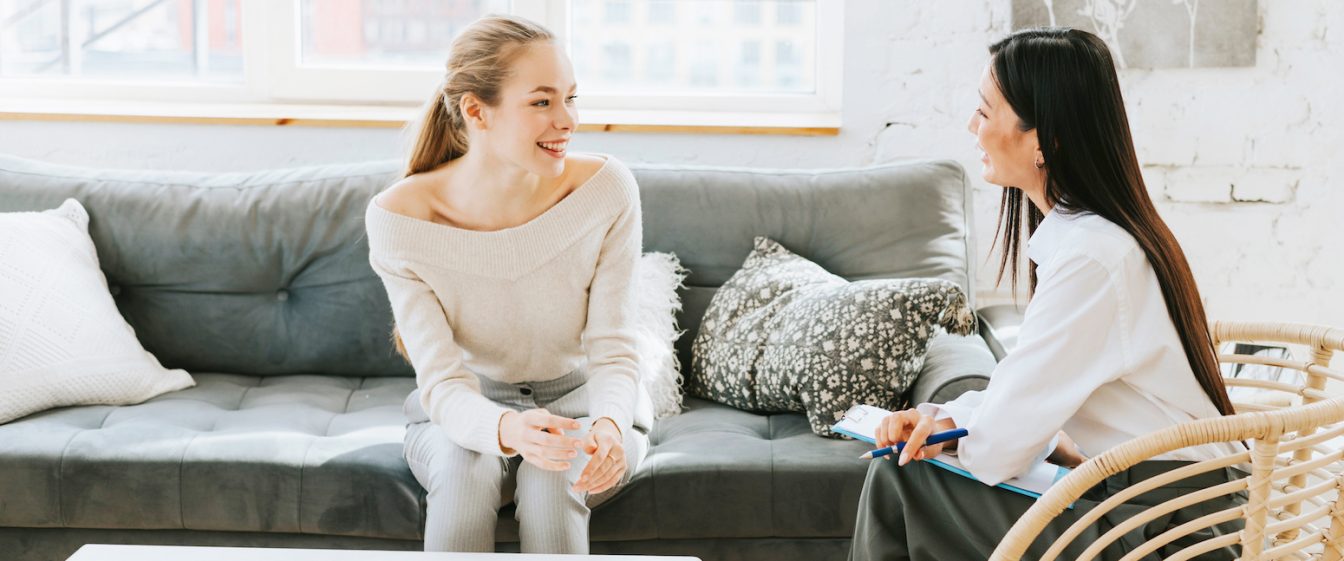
{"x": 1271, "y": 136}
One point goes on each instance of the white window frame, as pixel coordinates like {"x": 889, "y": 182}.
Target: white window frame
{"x": 273, "y": 74}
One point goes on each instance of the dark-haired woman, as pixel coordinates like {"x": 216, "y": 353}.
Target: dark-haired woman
{"x": 1114, "y": 343}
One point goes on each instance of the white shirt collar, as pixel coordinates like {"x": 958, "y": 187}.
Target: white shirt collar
{"x": 1047, "y": 236}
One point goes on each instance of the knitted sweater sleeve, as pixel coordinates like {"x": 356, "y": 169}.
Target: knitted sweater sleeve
{"x": 449, "y": 392}
{"x": 608, "y": 337}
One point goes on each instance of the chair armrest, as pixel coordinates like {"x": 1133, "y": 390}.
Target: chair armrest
{"x": 953, "y": 365}
{"x": 998, "y": 326}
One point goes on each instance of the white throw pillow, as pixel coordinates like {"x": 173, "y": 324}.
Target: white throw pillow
{"x": 62, "y": 340}
{"x": 657, "y": 278}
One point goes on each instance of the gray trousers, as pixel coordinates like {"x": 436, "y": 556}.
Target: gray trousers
{"x": 466, "y": 489}
{"x": 920, "y": 512}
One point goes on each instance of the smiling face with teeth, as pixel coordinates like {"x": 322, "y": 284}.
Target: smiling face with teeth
{"x": 535, "y": 116}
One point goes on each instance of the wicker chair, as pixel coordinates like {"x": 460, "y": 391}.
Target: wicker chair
{"x": 1292, "y": 508}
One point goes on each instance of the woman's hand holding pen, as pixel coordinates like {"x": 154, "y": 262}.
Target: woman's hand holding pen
{"x": 912, "y": 428}
{"x": 540, "y": 438}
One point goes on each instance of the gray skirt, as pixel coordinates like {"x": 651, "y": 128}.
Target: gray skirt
{"x": 920, "y": 512}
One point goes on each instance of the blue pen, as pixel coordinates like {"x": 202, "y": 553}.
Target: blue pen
{"x": 934, "y": 438}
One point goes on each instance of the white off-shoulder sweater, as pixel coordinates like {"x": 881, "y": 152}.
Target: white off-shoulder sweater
{"x": 529, "y": 303}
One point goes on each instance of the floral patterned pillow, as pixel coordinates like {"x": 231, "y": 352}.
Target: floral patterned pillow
{"x": 783, "y": 334}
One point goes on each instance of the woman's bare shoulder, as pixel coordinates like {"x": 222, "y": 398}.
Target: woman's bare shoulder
{"x": 583, "y": 167}
{"x": 410, "y": 195}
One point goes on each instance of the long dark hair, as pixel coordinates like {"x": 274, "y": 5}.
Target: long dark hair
{"x": 1062, "y": 83}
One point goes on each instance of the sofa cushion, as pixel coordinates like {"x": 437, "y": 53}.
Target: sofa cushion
{"x": 62, "y": 341}
{"x": 312, "y": 454}
{"x": 323, "y": 455}
{"x": 715, "y": 471}
{"x": 783, "y": 334}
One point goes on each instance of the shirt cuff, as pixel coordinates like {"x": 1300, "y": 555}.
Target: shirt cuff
{"x": 960, "y": 414}
{"x": 959, "y": 410}
{"x": 1049, "y": 449}
{"x": 934, "y": 410}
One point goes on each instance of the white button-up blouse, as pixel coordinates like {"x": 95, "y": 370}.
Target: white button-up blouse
{"x": 1097, "y": 356}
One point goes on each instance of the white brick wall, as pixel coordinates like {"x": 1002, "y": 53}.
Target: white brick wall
{"x": 1246, "y": 164}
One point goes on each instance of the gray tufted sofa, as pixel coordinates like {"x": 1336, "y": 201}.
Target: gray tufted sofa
{"x": 258, "y": 284}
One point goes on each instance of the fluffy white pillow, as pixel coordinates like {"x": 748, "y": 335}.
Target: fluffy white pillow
{"x": 657, "y": 278}
{"x": 62, "y": 340}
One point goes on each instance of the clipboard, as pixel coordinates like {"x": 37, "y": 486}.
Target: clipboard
{"x": 860, "y": 422}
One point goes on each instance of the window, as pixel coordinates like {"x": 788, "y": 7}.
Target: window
{"x": 704, "y": 66}
{"x": 381, "y": 33}
{"x": 719, "y": 55}
{"x": 633, "y": 56}
{"x": 136, "y": 40}
{"x": 617, "y": 11}
{"x": 789, "y": 12}
{"x": 660, "y": 66}
{"x": 705, "y": 12}
{"x": 748, "y": 64}
{"x": 662, "y": 12}
{"x": 788, "y": 64}
{"x": 616, "y": 57}
{"x": 747, "y": 12}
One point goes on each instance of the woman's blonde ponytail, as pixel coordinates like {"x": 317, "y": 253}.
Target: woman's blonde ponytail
{"x": 442, "y": 137}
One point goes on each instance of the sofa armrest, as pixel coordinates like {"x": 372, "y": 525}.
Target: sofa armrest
{"x": 998, "y": 326}
{"x": 953, "y": 365}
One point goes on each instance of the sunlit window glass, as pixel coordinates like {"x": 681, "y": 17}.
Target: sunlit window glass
{"x": 125, "y": 40}
{"x": 704, "y": 46}
{"x": 386, "y": 33}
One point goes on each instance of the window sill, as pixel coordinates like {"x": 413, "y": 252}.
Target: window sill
{"x": 364, "y": 116}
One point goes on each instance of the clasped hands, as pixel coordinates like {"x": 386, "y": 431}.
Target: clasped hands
{"x": 913, "y": 428}
{"x": 539, "y": 437}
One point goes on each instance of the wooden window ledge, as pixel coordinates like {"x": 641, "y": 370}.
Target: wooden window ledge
{"x": 366, "y": 116}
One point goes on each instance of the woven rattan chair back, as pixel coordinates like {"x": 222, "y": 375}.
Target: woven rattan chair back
{"x": 1296, "y": 436}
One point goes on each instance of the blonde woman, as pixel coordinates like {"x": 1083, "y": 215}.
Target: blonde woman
{"x": 508, "y": 263}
